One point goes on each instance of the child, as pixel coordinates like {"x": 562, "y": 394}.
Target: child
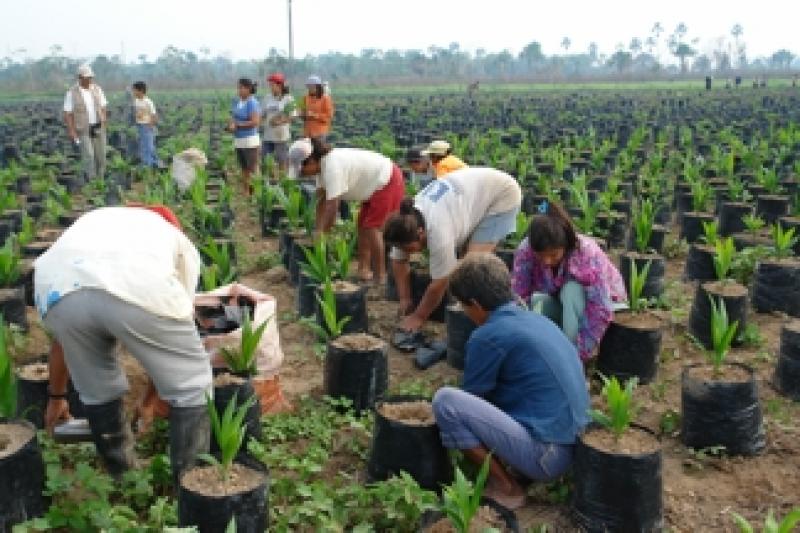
{"x": 523, "y": 396}
{"x": 146, "y": 120}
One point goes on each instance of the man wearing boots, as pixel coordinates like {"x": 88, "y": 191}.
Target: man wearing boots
{"x": 125, "y": 276}
{"x": 85, "y": 117}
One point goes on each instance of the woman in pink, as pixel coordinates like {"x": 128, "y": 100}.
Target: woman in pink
{"x": 568, "y": 278}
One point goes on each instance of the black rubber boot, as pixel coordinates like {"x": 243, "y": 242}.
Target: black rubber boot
{"x": 112, "y": 436}
{"x": 189, "y": 436}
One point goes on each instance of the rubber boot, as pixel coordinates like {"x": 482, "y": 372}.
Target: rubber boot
{"x": 189, "y": 436}
{"x": 112, "y": 436}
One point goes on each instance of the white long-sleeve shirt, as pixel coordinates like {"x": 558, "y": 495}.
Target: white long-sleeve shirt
{"x": 131, "y": 253}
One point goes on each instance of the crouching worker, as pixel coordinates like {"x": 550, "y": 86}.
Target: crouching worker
{"x": 523, "y": 396}
{"x": 125, "y": 276}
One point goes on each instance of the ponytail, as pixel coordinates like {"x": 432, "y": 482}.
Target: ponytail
{"x": 402, "y": 228}
{"x": 551, "y": 227}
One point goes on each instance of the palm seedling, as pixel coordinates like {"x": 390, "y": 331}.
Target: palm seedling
{"x": 783, "y": 240}
{"x": 229, "y": 431}
{"x": 220, "y": 258}
{"x": 333, "y": 326}
{"x": 293, "y": 205}
{"x": 620, "y": 410}
{"x": 27, "y": 232}
{"x": 316, "y": 265}
{"x": 462, "y": 499}
{"x": 643, "y": 222}
{"x": 242, "y": 359}
{"x": 737, "y": 191}
{"x": 771, "y": 524}
{"x": 637, "y": 281}
{"x": 710, "y": 232}
{"x": 342, "y": 256}
{"x": 724, "y": 251}
{"x": 520, "y": 231}
{"x": 753, "y": 223}
{"x": 10, "y": 271}
{"x": 8, "y": 382}
{"x": 722, "y": 333}
{"x": 701, "y": 194}
{"x": 768, "y": 178}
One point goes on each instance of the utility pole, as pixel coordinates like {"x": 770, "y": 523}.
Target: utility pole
{"x": 291, "y": 35}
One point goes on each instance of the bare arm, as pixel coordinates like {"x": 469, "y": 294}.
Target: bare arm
{"x": 402, "y": 280}
{"x": 103, "y": 115}
{"x": 254, "y": 121}
{"x": 431, "y": 299}
{"x": 328, "y": 210}
{"x": 57, "y": 408}
{"x": 69, "y": 120}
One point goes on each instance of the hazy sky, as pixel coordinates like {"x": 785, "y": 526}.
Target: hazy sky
{"x": 90, "y": 27}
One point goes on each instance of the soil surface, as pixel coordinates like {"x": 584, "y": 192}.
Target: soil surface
{"x": 485, "y": 518}
{"x": 206, "y": 480}
{"x": 633, "y": 442}
{"x": 345, "y": 287}
{"x": 728, "y": 374}
{"x": 13, "y": 437}
{"x": 225, "y": 379}
{"x": 645, "y": 320}
{"x": 34, "y": 372}
{"x": 793, "y": 326}
{"x": 418, "y": 413}
{"x": 361, "y": 342}
{"x": 727, "y": 289}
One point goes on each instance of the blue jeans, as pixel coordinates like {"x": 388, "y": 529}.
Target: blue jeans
{"x": 495, "y": 228}
{"x": 466, "y": 421}
{"x": 147, "y": 145}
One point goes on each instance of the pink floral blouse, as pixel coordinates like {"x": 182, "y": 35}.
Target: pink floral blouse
{"x": 589, "y": 266}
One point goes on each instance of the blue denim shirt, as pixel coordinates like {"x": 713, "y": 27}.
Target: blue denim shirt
{"x": 523, "y": 364}
{"x": 241, "y": 110}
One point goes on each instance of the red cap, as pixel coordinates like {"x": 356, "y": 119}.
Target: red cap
{"x": 165, "y": 212}
{"x": 277, "y": 77}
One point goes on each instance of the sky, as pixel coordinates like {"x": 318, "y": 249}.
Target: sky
{"x": 86, "y": 28}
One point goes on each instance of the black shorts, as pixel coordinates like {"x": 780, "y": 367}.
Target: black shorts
{"x": 248, "y": 158}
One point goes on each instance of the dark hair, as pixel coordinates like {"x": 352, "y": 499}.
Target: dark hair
{"x": 414, "y": 154}
{"x": 248, "y": 84}
{"x": 551, "y": 228}
{"x": 140, "y": 86}
{"x": 319, "y": 90}
{"x": 319, "y": 149}
{"x": 484, "y": 278}
{"x": 284, "y": 89}
{"x": 403, "y": 227}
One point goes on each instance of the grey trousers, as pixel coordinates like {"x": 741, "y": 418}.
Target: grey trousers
{"x": 93, "y": 154}
{"x": 91, "y": 323}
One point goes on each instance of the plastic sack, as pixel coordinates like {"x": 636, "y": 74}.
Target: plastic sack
{"x": 184, "y": 165}
{"x": 270, "y": 355}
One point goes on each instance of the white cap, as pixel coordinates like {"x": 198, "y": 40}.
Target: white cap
{"x": 314, "y": 80}
{"x": 299, "y": 151}
{"x": 437, "y": 148}
{"x": 85, "y": 71}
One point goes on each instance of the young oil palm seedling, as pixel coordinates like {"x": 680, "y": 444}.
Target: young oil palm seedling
{"x": 768, "y": 178}
{"x": 333, "y": 326}
{"x": 229, "y": 431}
{"x": 317, "y": 266}
{"x": 710, "y": 232}
{"x": 462, "y": 499}
{"x": 724, "y": 250}
{"x": 783, "y": 241}
{"x": 8, "y": 382}
{"x": 643, "y": 222}
{"x": 219, "y": 255}
{"x": 637, "y": 283}
{"x": 292, "y": 202}
{"x": 342, "y": 256}
{"x": 27, "y": 232}
{"x": 701, "y": 194}
{"x": 722, "y": 334}
{"x": 10, "y": 271}
{"x": 620, "y": 410}
{"x": 771, "y": 524}
{"x": 753, "y": 223}
{"x": 242, "y": 359}
{"x": 520, "y": 230}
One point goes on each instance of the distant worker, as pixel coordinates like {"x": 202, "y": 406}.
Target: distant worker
{"x": 278, "y": 110}
{"x": 316, "y": 110}
{"x": 244, "y": 123}
{"x": 420, "y": 165}
{"x": 85, "y": 116}
{"x": 442, "y": 158}
{"x": 146, "y": 120}
{"x": 471, "y": 209}
{"x": 352, "y": 174}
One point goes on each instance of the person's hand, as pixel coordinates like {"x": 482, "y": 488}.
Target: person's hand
{"x": 57, "y": 411}
{"x": 406, "y": 306}
{"x": 275, "y": 121}
{"x": 231, "y": 126}
{"x": 411, "y": 323}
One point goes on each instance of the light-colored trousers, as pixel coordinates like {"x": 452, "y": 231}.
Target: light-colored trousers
{"x": 93, "y": 154}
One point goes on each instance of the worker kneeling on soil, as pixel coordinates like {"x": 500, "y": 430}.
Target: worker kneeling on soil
{"x": 474, "y": 208}
{"x": 523, "y": 396}
{"x": 125, "y": 275}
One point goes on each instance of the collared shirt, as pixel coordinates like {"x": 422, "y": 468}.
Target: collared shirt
{"x": 589, "y": 266}
{"x": 131, "y": 253}
{"x": 524, "y": 365}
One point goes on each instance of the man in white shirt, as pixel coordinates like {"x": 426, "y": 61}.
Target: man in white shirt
{"x": 85, "y": 116}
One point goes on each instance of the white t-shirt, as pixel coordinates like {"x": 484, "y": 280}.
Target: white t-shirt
{"x": 454, "y": 205}
{"x": 132, "y": 253}
{"x": 353, "y": 174}
{"x": 273, "y": 107}
{"x": 91, "y": 115}
{"x": 145, "y": 110}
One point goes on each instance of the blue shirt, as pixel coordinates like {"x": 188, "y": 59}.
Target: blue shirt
{"x": 241, "y": 111}
{"x": 524, "y": 365}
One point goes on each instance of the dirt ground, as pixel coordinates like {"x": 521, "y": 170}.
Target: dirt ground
{"x": 699, "y": 490}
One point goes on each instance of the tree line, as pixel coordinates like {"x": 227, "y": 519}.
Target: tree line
{"x": 658, "y": 55}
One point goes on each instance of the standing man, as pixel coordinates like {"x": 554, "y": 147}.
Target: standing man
{"x": 85, "y": 117}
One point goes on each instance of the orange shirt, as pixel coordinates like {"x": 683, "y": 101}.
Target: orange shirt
{"x": 323, "y": 111}
{"x": 448, "y": 165}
